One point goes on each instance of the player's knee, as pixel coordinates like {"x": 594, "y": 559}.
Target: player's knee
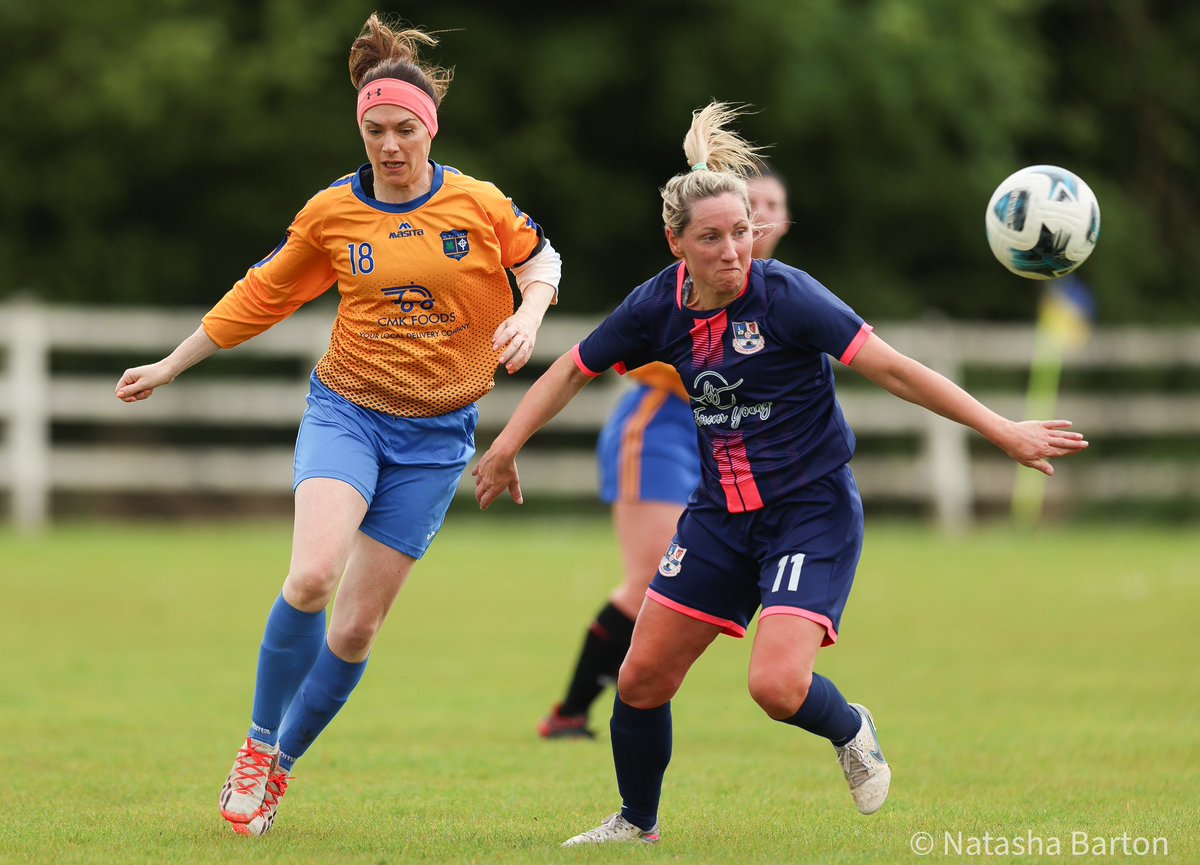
{"x": 779, "y": 695}
{"x": 642, "y": 686}
{"x": 351, "y": 640}
{"x": 311, "y": 585}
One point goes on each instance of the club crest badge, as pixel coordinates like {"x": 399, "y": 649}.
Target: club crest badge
{"x": 672, "y": 561}
{"x": 456, "y": 244}
{"x": 747, "y": 339}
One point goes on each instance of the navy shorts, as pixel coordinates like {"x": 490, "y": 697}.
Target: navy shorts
{"x": 647, "y": 450}
{"x": 407, "y": 468}
{"x": 795, "y": 558}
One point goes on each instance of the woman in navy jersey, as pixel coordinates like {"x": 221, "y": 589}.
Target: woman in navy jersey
{"x": 777, "y": 521}
{"x": 648, "y": 465}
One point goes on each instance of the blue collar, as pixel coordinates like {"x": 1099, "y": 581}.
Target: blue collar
{"x": 406, "y": 207}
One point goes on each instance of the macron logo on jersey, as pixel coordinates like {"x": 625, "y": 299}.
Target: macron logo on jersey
{"x": 405, "y": 229}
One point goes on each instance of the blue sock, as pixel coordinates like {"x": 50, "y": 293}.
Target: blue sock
{"x": 826, "y": 713}
{"x": 641, "y": 744}
{"x": 325, "y": 690}
{"x": 289, "y": 648}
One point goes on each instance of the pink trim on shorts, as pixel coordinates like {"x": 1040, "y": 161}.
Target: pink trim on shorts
{"x": 393, "y": 91}
{"x": 856, "y": 343}
{"x": 824, "y": 621}
{"x": 733, "y": 629}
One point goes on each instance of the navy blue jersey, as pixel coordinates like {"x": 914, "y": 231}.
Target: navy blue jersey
{"x": 757, "y": 372}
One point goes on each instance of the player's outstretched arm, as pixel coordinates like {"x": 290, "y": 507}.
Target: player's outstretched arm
{"x": 138, "y": 383}
{"x": 497, "y": 469}
{"x": 1031, "y": 443}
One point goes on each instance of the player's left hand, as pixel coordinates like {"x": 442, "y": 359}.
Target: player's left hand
{"x": 1035, "y": 442}
{"x": 514, "y": 339}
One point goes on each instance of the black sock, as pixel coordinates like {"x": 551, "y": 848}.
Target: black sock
{"x": 826, "y": 713}
{"x": 604, "y": 648}
{"x": 641, "y": 744}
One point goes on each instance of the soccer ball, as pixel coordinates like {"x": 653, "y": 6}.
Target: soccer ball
{"x": 1042, "y": 222}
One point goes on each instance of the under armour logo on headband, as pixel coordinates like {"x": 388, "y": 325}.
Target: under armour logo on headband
{"x": 391, "y": 91}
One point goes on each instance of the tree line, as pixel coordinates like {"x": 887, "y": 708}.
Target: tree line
{"x": 153, "y": 149}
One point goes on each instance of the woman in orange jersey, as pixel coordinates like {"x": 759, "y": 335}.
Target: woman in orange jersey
{"x": 649, "y": 466}
{"x": 419, "y": 253}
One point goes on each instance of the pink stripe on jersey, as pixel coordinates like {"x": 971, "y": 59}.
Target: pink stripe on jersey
{"x": 733, "y": 629}
{"x": 708, "y": 346}
{"x": 855, "y": 344}
{"x": 824, "y": 621}
{"x": 737, "y": 477}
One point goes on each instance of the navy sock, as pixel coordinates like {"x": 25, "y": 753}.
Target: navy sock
{"x": 290, "y": 646}
{"x": 641, "y": 744}
{"x": 826, "y": 713}
{"x": 325, "y": 690}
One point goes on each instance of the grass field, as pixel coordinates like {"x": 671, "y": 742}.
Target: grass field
{"x": 1026, "y": 687}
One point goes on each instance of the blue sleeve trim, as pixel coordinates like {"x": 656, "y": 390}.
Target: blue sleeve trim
{"x": 274, "y": 252}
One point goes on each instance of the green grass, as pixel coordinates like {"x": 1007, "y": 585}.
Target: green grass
{"x": 1023, "y": 684}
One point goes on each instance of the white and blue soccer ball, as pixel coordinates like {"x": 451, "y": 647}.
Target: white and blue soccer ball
{"x": 1042, "y": 222}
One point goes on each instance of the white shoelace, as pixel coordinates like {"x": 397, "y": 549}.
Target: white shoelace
{"x": 855, "y": 762}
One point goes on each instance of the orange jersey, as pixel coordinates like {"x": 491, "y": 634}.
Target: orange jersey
{"x": 423, "y": 288}
{"x": 661, "y": 376}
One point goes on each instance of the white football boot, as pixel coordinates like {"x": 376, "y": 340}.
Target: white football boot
{"x": 863, "y": 764}
{"x": 246, "y": 786}
{"x": 264, "y": 817}
{"x": 615, "y": 830}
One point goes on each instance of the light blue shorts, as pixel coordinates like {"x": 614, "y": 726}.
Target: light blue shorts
{"x": 407, "y": 468}
{"x": 647, "y": 450}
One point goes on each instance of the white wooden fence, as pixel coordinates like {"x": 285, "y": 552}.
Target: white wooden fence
{"x": 942, "y": 475}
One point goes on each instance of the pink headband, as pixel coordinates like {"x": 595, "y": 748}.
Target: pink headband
{"x": 392, "y": 91}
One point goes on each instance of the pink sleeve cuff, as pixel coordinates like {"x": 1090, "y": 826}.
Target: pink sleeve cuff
{"x": 855, "y": 344}
{"x": 583, "y": 367}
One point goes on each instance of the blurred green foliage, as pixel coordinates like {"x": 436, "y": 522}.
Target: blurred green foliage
{"x": 153, "y": 149}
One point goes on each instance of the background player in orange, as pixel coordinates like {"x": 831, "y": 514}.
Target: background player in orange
{"x": 648, "y": 465}
{"x": 419, "y": 253}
